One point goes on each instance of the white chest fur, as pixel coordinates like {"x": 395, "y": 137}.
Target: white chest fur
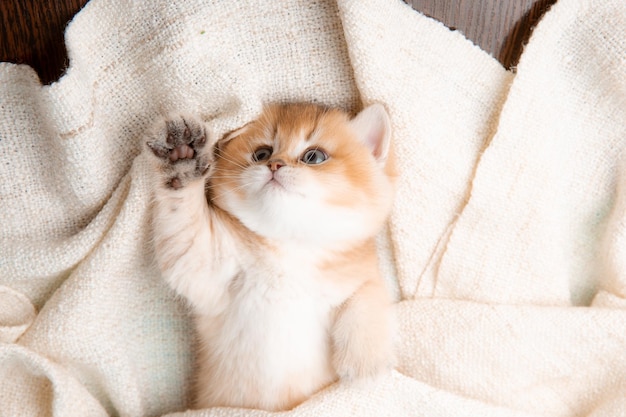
{"x": 270, "y": 346}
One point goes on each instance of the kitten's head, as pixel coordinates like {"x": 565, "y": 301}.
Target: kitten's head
{"x": 307, "y": 173}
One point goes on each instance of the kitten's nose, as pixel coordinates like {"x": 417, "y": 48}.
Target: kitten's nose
{"x": 275, "y": 164}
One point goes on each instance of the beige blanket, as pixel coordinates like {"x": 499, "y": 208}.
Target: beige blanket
{"x": 507, "y": 246}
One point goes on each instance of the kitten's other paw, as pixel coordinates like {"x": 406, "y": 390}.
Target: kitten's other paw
{"x": 180, "y": 147}
{"x": 362, "y": 352}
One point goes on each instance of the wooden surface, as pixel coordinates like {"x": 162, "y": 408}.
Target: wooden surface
{"x": 500, "y": 27}
{"x": 31, "y": 31}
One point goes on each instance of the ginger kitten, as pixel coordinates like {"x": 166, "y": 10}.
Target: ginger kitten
{"x": 269, "y": 235}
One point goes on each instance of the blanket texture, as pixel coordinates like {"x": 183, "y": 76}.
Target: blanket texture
{"x": 506, "y": 250}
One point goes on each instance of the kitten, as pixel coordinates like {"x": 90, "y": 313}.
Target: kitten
{"x": 278, "y": 258}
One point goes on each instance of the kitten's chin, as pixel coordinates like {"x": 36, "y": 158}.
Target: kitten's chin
{"x": 275, "y": 188}
{"x": 287, "y": 217}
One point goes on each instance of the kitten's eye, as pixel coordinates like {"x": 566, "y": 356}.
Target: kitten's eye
{"x": 262, "y": 154}
{"x": 314, "y": 157}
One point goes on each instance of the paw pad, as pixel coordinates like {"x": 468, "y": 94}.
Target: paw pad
{"x": 181, "y": 152}
{"x": 179, "y": 146}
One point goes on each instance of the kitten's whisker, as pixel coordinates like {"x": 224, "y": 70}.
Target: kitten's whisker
{"x": 227, "y": 181}
{"x": 237, "y": 188}
{"x": 249, "y": 146}
{"x": 223, "y": 170}
{"x": 226, "y": 176}
{"x": 223, "y": 156}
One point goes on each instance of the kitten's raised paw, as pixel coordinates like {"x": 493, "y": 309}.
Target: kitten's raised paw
{"x": 180, "y": 147}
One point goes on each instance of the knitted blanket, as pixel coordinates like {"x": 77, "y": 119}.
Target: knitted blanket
{"x": 506, "y": 250}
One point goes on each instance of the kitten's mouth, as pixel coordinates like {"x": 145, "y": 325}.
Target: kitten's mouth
{"x": 273, "y": 182}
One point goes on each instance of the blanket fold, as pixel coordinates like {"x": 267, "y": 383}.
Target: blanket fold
{"x": 506, "y": 249}
{"x": 544, "y": 360}
{"x": 16, "y": 315}
{"x": 547, "y": 186}
{"x": 397, "y": 58}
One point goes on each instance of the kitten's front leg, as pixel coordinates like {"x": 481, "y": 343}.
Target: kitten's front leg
{"x": 191, "y": 259}
{"x": 363, "y": 333}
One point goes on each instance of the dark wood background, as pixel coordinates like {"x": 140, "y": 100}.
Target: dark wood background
{"x": 31, "y": 31}
{"x": 500, "y": 27}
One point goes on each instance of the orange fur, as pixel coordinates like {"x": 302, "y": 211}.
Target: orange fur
{"x": 279, "y": 262}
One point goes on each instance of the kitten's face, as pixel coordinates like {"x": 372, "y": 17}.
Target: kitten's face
{"x": 301, "y": 172}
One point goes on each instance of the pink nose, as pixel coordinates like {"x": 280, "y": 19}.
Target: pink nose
{"x": 275, "y": 164}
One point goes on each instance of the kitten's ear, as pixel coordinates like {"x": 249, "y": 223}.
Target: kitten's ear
{"x": 373, "y": 127}
{"x": 229, "y": 136}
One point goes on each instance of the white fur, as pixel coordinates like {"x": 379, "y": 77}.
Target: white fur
{"x": 275, "y": 331}
{"x": 277, "y": 311}
{"x": 296, "y": 209}
{"x": 266, "y": 312}
{"x": 182, "y": 219}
